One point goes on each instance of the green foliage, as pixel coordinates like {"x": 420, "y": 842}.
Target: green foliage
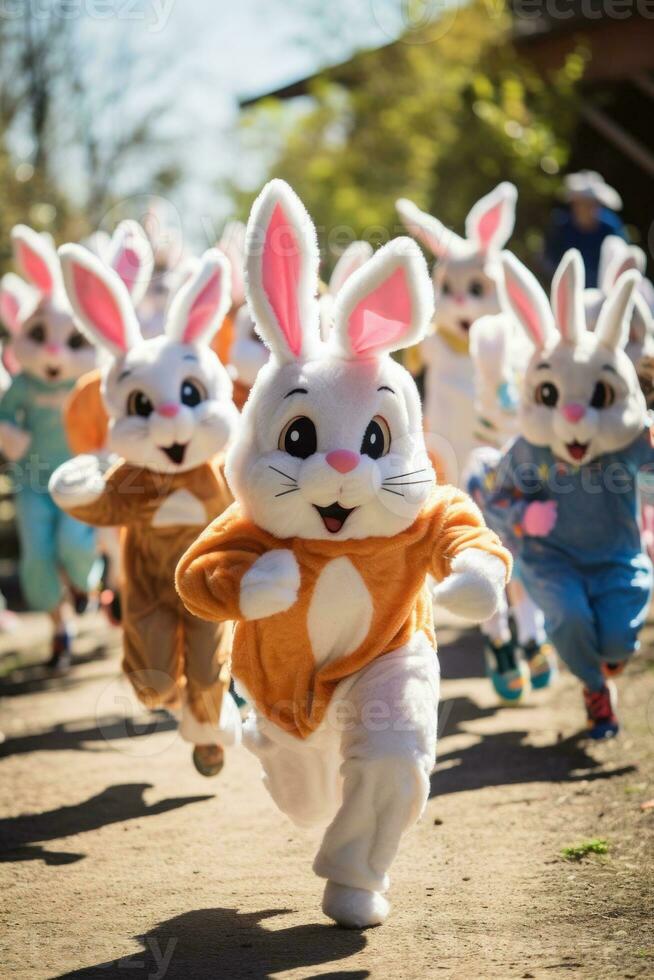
{"x": 440, "y": 122}
{"x": 579, "y": 851}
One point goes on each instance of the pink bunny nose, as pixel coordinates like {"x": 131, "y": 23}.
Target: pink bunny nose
{"x": 343, "y": 460}
{"x": 459, "y": 299}
{"x": 169, "y": 410}
{"x": 53, "y": 348}
{"x": 574, "y": 412}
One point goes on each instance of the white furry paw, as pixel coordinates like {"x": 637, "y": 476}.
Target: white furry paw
{"x": 77, "y": 482}
{"x": 474, "y": 586}
{"x": 271, "y": 585}
{"x": 354, "y": 908}
{"x": 14, "y": 442}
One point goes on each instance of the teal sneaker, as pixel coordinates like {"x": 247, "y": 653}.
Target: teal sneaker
{"x": 507, "y": 672}
{"x": 541, "y": 661}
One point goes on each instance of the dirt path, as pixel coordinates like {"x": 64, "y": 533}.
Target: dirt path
{"x": 118, "y": 860}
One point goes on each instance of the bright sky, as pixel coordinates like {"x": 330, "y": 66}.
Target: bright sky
{"x": 217, "y": 50}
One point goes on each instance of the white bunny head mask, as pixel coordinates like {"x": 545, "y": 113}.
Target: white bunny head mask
{"x": 331, "y": 444}
{"x": 34, "y": 308}
{"x": 580, "y": 394}
{"x": 467, "y": 271}
{"x": 169, "y": 398}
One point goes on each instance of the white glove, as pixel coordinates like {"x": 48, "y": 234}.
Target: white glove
{"x": 78, "y": 482}
{"x": 474, "y": 586}
{"x": 271, "y": 585}
{"x": 14, "y": 442}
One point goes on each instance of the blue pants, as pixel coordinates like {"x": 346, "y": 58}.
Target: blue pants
{"x": 592, "y": 616}
{"x": 51, "y": 542}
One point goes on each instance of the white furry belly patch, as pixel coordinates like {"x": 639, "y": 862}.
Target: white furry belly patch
{"x": 340, "y": 611}
{"x": 180, "y": 508}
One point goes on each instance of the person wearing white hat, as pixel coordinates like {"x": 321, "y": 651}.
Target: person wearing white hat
{"x": 589, "y": 217}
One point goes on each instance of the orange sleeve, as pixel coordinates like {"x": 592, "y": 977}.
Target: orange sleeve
{"x": 85, "y": 417}
{"x": 223, "y": 340}
{"x": 459, "y": 526}
{"x": 208, "y": 576}
{"x": 122, "y": 501}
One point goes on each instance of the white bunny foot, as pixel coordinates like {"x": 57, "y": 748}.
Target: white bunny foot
{"x": 474, "y": 586}
{"x": 354, "y": 908}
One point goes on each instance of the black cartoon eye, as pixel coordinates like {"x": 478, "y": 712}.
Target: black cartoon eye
{"x": 77, "y": 341}
{"x": 377, "y": 439}
{"x": 192, "y": 393}
{"x": 299, "y": 437}
{"x": 138, "y": 403}
{"x": 603, "y": 395}
{"x": 446, "y": 289}
{"x": 476, "y": 288}
{"x": 547, "y": 394}
{"x": 37, "y": 333}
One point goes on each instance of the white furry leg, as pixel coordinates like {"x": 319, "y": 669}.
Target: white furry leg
{"x": 388, "y": 751}
{"x": 354, "y": 908}
{"x": 226, "y": 732}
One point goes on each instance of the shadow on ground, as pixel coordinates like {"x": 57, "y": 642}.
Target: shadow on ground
{"x": 224, "y": 942}
{"x": 508, "y": 758}
{"x": 21, "y": 837}
{"x": 19, "y": 678}
{"x": 81, "y": 736}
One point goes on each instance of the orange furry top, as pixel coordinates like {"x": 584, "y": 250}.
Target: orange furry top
{"x": 273, "y": 657}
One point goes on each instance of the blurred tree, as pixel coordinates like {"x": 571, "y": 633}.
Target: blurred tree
{"x": 440, "y": 116}
{"x": 73, "y": 139}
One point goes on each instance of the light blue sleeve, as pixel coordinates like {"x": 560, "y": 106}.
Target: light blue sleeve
{"x": 15, "y": 401}
{"x": 496, "y": 488}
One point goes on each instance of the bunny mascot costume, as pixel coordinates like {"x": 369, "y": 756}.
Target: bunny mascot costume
{"x": 169, "y": 400}
{"x": 566, "y": 491}
{"x": 55, "y": 550}
{"x": 322, "y": 561}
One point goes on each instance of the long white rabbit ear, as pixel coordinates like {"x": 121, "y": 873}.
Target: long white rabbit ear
{"x": 490, "y": 222}
{"x": 130, "y": 255}
{"x": 568, "y": 297}
{"x": 354, "y": 256}
{"x": 100, "y": 300}
{"x": 428, "y": 230}
{"x": 232, "y": 244}
{"x": 386, "y": 305}
{"x": 612, "y": 246}
{"x": 615, "y": 316}
{"x": 629, "y": 257}
{"x": 36, "y": 259}
{"x": 523, "y": 296}
{"x": 17, "y": 299}
{"x": 642, "y": 321}
{"x": 200, "y": 306}
{"x": 281, "y": 256}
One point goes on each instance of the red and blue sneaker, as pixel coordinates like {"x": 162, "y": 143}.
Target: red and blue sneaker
{"x": 600, "y": 711}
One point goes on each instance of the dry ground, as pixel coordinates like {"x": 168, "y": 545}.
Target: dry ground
{"x": 118, "y": 860}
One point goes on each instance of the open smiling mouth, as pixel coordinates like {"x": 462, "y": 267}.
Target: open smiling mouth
{"x": 176, "y": 452}
{"x": 52, "y": 372}
{"x": 334, "y": 516}
{"x": 577, "y": 449}
{"x": 465, "y": 325}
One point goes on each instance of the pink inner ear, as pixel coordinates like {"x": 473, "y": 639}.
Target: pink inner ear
{"x": 9, "y": 310}
{"x": 35, "y": 268}
{"x": 488, "y": 225}
{"x": 383, "y": 316}
{"x": 99, "y": 305}
{"x": 562, "y": 307}
{"x": 128, "y": 265}
{"x": 281, "y": 276}
{"x": 524, "y": 309}
{"x": 203, "y": 308}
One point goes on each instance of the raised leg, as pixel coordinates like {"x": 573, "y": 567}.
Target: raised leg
{"x": 388, "y": 753}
